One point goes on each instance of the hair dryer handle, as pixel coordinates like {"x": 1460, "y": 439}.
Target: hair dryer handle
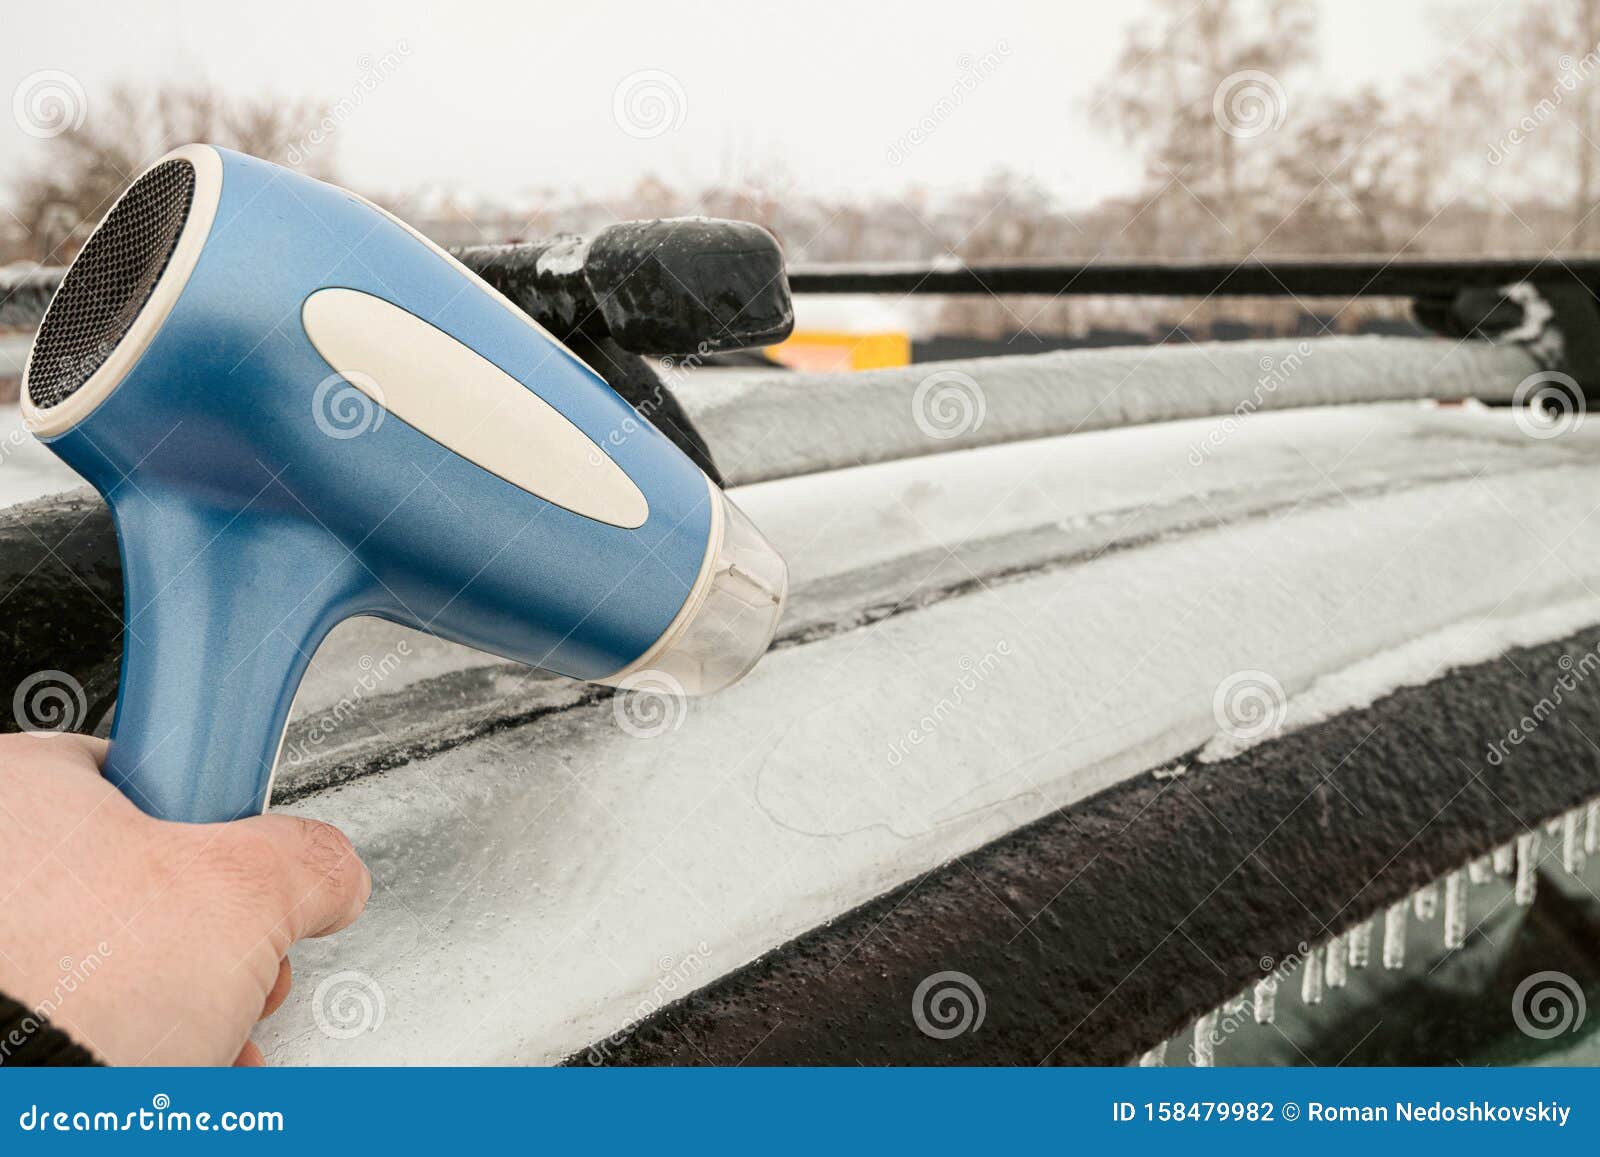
{"x": 221, "y": 613}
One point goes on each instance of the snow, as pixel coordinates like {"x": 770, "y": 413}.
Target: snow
{"x": 879, "y": 534}
{"x": 532, "y": 883}
{"x": 863, "y": 313}
{"x": 27, "y": 469}
{"x": 564, "y": 256}
{"x": 766, "y": 425}
{"x": 1066, "y": 608}
{"x": 1414, "y": 663}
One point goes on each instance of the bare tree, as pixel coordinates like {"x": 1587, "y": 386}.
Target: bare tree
{"x": 1554, "y": 103}
{"x": 1366, "y": 175}
{"x": 1200, "y": 90}
{"x": 60, "y": 201}
{"x": 1007, "y": 218}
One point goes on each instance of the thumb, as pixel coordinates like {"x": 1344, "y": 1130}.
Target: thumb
{"x": 325, "y": 884}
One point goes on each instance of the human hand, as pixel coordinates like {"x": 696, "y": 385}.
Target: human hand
{"x": 148, "y": 942}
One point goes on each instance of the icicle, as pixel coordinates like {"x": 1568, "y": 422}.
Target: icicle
{"x": 1527, "y": 867}
{"x": 1479, "y": 871}
{"x": 1591, "y": 831}
{"x": 1505, "y": 859}
{"x": 1311, "y": 978}
{"x": 1361, "y": 945}
{"x": 1425, "y": 901}
{"x": 1571, "y": 846}
{"x": 1155, "y": 1058}
{"x": 1394, "y": 936}
{"x": 1266, "y": 998}
{"x": 1337, "y": 962}
{"x": 1455, "y": 910}
{"x": 1205, "y": 1045}
{"x": 1235, "y": 1006}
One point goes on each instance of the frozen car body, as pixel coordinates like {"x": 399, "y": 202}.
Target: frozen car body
{"x": 1050, "y": 618}
{"x": 986, "y": 630}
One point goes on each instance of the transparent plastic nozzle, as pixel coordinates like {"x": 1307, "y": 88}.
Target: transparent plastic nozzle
{"x": 731, "y": 615}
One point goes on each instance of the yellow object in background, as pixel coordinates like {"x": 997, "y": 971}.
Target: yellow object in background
{"x": 833, "y": 351}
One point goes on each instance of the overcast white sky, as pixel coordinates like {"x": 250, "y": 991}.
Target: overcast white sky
{"x": 508, "y": 96}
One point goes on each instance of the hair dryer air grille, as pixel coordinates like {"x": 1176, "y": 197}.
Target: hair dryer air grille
{"x": 110, "y": 282}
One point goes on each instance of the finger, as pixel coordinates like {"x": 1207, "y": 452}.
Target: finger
{"x": 70, "y": 747}
{"x": 324, "y": 884}
{"x": 280, "y": 990}
{"x": 249, "y": 1057}
{"x": 93, "y": 748}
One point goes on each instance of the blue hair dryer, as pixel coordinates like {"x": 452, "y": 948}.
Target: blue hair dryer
{"x": 299, "y": 409}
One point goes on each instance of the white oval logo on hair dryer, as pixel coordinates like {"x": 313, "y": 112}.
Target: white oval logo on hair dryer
{"x": 463, "y": 401}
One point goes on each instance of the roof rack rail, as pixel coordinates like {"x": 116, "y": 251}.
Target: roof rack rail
{"x": 1545, "y": 301}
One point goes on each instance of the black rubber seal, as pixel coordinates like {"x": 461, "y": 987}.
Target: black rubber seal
{"x": 1105, "y": 928}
